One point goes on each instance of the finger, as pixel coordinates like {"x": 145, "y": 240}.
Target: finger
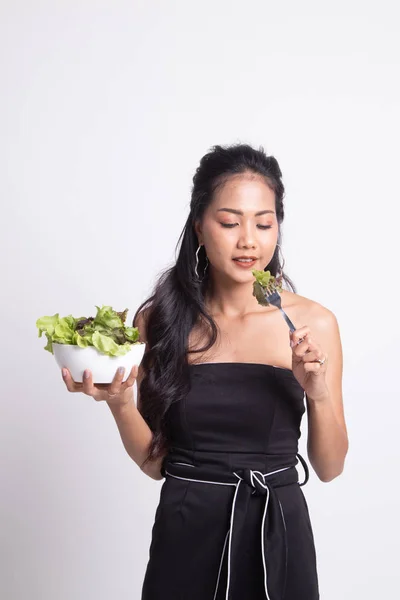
{"x": 301, "y": 349}
{"x": 72, "y": 386}
{"x": 115, "y": 386}
{"x": 312, "y": 357}
{"x": 298, "y": 335}
{"x": 312, "y": 367}
{"x": 107, "y": 386}
{"x": 314, "y": 348}
{"x": 87, "y": 386}
{"x": 132, "y": 377}
{"x": 311, "y": 346}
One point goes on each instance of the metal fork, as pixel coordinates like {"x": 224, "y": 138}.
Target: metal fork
{"x": 275, "y": 299}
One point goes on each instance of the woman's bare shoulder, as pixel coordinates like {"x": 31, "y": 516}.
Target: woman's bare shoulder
{"x": 309, "y": 312}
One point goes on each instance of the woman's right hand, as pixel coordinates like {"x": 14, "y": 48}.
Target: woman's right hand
{"x": 115, "y": 393}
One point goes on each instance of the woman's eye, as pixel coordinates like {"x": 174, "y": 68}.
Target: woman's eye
{"x": 234, "y": 225}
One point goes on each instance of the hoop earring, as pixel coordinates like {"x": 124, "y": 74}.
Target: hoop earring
{"x": 281, "y": 265}
{"x": 197, "y": 265}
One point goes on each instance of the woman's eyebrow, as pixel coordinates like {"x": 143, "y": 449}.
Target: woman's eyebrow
{"x": 239, "y": 212}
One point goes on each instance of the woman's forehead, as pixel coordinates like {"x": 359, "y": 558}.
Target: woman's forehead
{"x": 246, "y": 192}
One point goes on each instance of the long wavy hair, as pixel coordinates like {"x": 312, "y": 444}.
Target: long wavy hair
{"x": 177, "y": 302}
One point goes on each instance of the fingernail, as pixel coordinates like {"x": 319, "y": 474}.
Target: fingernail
{"x": 86, "y": 374}
{"x": 291, "y": 343}
{"x": 121, "y": 370}
{"x": 64, "y": 372}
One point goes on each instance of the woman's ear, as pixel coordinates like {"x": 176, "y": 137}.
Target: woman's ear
{"x": 198, "y": 230}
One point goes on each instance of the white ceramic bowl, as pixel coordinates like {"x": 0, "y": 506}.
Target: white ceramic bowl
{"x": 102, "y": 366}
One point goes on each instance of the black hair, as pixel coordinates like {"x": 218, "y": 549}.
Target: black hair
{"x": 177, "y": 302}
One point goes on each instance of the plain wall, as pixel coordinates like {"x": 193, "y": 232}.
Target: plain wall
{"x": 105, "y": 111}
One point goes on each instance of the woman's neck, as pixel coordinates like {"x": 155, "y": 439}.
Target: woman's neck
{"x": 231, "y": 299}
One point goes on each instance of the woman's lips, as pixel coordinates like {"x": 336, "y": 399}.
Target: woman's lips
{"x": 246, "y": 264}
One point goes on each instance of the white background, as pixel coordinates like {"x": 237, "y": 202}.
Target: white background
{"x": 105, "y": 111}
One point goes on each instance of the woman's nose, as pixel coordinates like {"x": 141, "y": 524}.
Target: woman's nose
{"x": 247, "y": 238}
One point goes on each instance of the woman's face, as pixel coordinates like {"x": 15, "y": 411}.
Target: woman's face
{"x": 240, "y": 222}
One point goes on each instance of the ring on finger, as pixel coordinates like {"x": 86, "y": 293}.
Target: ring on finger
{"x": 321, "y": 360}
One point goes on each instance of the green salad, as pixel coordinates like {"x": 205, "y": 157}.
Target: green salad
{"x": 265, "y": 283}
{"x": 106, "y": 331}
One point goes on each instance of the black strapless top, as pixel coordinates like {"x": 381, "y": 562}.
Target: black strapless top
{"x": 237, "y": 407}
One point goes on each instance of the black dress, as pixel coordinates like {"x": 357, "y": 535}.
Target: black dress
{"x": 232, "y": 522}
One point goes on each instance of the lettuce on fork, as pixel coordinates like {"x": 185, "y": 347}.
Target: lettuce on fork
{"x": 106, "y": 331}
{"x": 265, "y": 283}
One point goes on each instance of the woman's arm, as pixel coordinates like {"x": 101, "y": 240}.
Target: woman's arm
{"x": 327, "y": 443}
{"x": 136, "y": 435}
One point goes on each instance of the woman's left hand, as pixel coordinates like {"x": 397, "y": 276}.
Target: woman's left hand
{"x": 307, "y": 369}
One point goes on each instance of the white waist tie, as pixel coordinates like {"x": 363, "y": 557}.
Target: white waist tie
{"x": 249, "y": 482}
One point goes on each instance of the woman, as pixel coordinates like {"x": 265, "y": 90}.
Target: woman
{"x": 223, "y": 386}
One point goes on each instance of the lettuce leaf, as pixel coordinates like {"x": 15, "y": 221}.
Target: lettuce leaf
{"x": 106, "y": 331}
{"x": 265, "y": 284}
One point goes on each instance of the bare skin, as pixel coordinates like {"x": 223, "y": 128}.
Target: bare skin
{"x": 260, "y": 336}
